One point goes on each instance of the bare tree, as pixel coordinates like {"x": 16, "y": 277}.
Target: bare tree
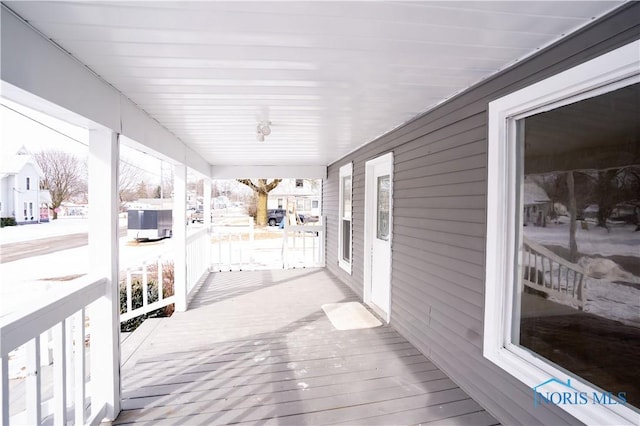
{"x": 129, "y": 179}
{"x": 261, "y": 191}
{"x": 64, "y": 176}
{"x": 573, "y": 245}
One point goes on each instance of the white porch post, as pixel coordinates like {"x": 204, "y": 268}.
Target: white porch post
{"x": 104, "y": 154}
{"x": 207, "y": 202}
{"x": 207, "y": 219}
{"x": 180, "y": 236}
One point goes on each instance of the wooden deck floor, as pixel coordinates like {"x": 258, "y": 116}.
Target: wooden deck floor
{"x": 256, "y": 347}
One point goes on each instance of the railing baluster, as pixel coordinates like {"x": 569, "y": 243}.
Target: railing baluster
{"x": 314, "y": 257}
{"x": 70, "y": 359}
{"x": 79, "y": 366}
{"x": 219, "y": 251}
{"x": 580, "y": 292}
{"x": 33, "y": 391}
{"x": 230, "y": 242}
{"x": 251, "y": 244}
{"x": 160, "y": 279}
{"x": 46, "y": 350}
{"x": 129, "y": 301}
{"x": 304, "y": 247}
{"x": 145, "y": 284}
{"x": 59, "y": 375}
{"x": 4, "y": 389}
{"x": 529, "y": 271}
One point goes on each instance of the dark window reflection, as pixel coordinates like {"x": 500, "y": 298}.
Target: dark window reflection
{"x": 579, "y": 292}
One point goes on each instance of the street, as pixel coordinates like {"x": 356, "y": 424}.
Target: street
{"x": 19, "y": 250}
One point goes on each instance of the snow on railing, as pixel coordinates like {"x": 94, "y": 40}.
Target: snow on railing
{"x": 66, "y": 318}
{"x": 151, "y": 277}
{"x": 547, "y": 272}
{"x": 198, "y": 259}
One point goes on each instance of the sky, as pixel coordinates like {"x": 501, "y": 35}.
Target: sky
{"x": 21, "y": 126}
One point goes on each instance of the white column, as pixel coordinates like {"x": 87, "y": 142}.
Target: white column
{"x": 104, "y": 154}
{"x": 180, "y": 236}
{"x": 207, "y": 220}
{"x": 207, "y": 202}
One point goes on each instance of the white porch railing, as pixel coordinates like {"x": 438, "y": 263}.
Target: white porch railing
{"x": 147, "y": 274}
{"x": 303, "y": 245}
{"x": 155, "y": 292}
{"x": 547, "y": 272}
{"x": 198, "y": 259}
{"x": 238, "y": 247}
{"x": 66, "y": 318}
{"x": 234, "y": 246}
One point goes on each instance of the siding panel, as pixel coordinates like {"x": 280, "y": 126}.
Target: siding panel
{"x": 439, "y": 226}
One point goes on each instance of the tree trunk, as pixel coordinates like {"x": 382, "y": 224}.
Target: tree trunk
{"x": 55, "y": 214}
{"x": 261, "y": 208}
{"x": 573, "y": 246}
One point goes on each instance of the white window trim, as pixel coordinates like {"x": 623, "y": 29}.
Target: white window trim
{"x": 611, "y": 71}
{"x": 346, "y": 170}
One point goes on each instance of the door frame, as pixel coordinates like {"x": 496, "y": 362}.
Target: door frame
{"x": 369, "y": 231}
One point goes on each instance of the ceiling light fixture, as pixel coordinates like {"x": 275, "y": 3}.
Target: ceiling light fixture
{"x": 263, "y": 130}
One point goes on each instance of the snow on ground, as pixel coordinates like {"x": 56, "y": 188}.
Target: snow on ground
{"x": 28, "y": 280}
{"x": 621, "y": 240}
{"x": 55, "y": 228}
{"x": 613, "y": 301}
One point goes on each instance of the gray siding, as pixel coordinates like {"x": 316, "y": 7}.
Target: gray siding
{"x": 439, "y": 221}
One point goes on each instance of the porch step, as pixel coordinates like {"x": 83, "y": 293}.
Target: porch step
{"x": 134, "y": 341}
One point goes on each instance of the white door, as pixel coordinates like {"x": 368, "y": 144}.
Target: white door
{"x": 379, "y": 185}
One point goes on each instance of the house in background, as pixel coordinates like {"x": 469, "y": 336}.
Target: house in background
{"x": 304, "y": 192}
{"x": 20, "y": 195}
{"x": 537, "y": 204}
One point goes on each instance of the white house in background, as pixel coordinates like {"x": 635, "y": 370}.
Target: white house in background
{"x": 20, "y": 194}
{"x": 536, "y": 203}
{"x": 305, "y": 192}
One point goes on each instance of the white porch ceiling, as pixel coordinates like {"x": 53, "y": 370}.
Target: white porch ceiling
{"x": 330, "y": 76}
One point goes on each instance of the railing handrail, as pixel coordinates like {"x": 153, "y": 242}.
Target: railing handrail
{"x": 551, "y": 255}
{"x": 197, "y": 234}
{"x": 18, "y": 328}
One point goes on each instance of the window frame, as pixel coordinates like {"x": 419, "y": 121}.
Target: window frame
{"x": 613, "y": 70}
{"x": 345, "y": 171}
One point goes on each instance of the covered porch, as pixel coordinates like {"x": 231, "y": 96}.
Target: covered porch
{"x": 256, "y": 347}
{"x": 288, "y": 90}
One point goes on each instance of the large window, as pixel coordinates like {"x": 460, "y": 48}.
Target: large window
{"x": 562, "y": 308}
{"x": 344, "y": 224}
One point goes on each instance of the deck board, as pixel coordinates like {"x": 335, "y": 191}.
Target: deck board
{"x": 256, "y": 347}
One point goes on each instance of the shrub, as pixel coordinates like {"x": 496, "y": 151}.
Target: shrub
{"x": 251, "y": 208}
{"x": 152, "y": 295}
{"x": 7, "y": 221}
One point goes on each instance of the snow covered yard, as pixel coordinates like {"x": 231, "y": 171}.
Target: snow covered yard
{"x": 620, "y": 240}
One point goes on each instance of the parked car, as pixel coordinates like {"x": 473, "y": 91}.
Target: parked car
{"x": 197, "y": 216}
{"x": 274, "y": 216}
